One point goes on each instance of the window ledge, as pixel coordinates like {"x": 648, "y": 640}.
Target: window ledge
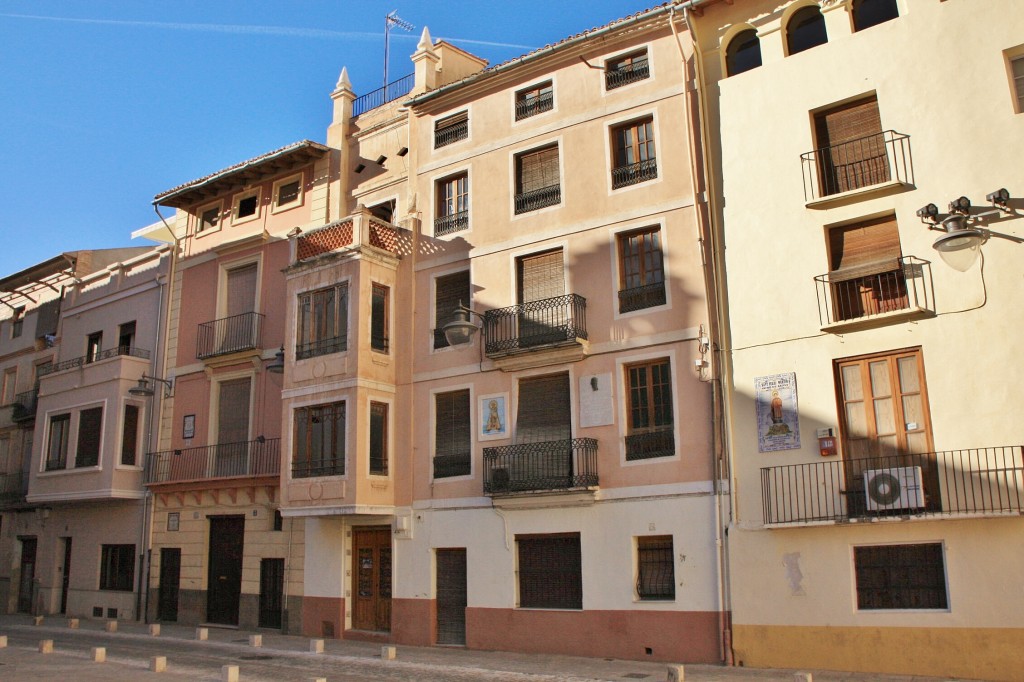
{"x": 857, "y": 194}
{"x": 880, "y": 320}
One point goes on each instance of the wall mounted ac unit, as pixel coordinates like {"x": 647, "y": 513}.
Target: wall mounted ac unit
{"x": 894, "y": 488}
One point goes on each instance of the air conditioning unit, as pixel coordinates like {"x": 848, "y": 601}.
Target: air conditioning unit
{"x": 894, "y": 488}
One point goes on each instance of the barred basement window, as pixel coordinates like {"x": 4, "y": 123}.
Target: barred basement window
{"x": 550, "y": 571}
{"x": 117, "y": 567}
{"x": 655, "y": 577}
{"x": 901, "y": 577}
{"x": 452, "y": 434}
{"x": 90, "y": 426}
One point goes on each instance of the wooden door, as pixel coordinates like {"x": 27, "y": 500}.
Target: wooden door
{"x": 371, "y": 571}
{"x": 28, "y": 575}
{"x": 170, "y": 580}
{"x": 224, "y": 585}
{"x": 451, "y": 596}
{"x": 271, "y": 592}
{"x": 65, "y": 582}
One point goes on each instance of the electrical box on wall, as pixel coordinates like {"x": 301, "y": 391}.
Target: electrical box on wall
{"x": 827, "y": 442}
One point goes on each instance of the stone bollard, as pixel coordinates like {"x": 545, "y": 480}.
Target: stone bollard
{"x": 73, "y": 623}
{"x": 803, "y": 677}
{"x": 111, "y": 626}
{"x": 388, "y": 653}
{"x": 158, "y": 664}
{"x": 202, "y": 634}
{"x": 229, "y": 673}
{"x": 3, "y": 641}
{"x": 676, "y": 673}
{"x": 99, "y": 654}
{"x": 38, "y": 620}
{"x": 46, "y": 646}
{"x": 316, "y": 646}
{"x": 154, "y": 630}
{"x": 255, "y": 640}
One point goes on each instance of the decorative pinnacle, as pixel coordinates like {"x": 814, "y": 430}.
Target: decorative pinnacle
{"x": 426, "y": 44}
{"x": 343, "y": 82}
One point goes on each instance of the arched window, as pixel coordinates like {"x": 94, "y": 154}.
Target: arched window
{"x": 743, "y": 53}
{"x": 806, "y": 30}
{"x": 868, "y": 13}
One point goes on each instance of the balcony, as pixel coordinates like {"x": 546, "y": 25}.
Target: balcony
{"x": 353, "y": 232}
{"x": 982, "y": 481}
{"x": 658, "y": 442}
{"x": 119, "y": 351}
{"x": 537, "y": 325}
{"x": 382, "y": 96}
{"x": 13, "y": 488}
{"x": 23, "y": 408}
{"x": 229, "y": 335}
{"x": 453, "y": 222}
{"x": 452, "y": 132}
{"x": 526, "y": 108}
{"x": 890, "y": 291}
{"x": 560, "y": 465}
{"x": 638, "y": 298}
{"x": 538, "y": 198}
{"x": 634, "y": 173}
{"x": 868, "y": 163}
{"x": 337, "y": 344}
{"x": 323, "y": 467}
{"x": 249, "y": 459}
{"x": 629, "y": 73}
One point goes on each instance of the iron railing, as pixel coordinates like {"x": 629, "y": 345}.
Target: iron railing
{"x": 905, "y": 285}
{"x": 229, "y": 335}
{"x": 24, "y": 406}
{"x": 551, "y": 465}
{"x": 660, "y": 442}
{"x": 453, "y": 222}
{"x": 547, "y": 322}
{"x": 866, "y": 161}
{"x": 972, "y": 481}
{"x": 535, "y": 105}
{"x": 451, "y": 465}
{"x": 638, "y": 298}
{"x": 629, "y": 73}
{"x": 382, "y": 96}
{"x": 312, "y": 349}
{"x": 247, "y": 459}
{"x": 96, "y": 357}
{"x": 538, "y": 198}
{"x": 13, "y": 488}
{"x": 323, "y": 467}
{"x": 634, "y": 173}
{"x": 451, "y": 133}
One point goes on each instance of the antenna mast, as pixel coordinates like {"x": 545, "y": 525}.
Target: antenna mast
{"x": 390, "y": 20}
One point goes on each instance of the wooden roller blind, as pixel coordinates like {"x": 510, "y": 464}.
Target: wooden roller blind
{"x": 537, "y": 169}
{"x": 544, "y": 409}
{"x": 90, "y": 429}
{"x": 540, "y": 276}
{"x": 242, "y": 290}
{"x": 864, "y": 248}
{"x": 453, "y": 431}
{"x": 233, "y": 411}
{"x": 848, "y": 122}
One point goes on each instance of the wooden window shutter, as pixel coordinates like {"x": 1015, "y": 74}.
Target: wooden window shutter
{"x": 241, "y": 290}
{"x": 537, "y": 169}
{"x": 541, "y": 276}
{"x": 864, "y": 248}
{"x": 130, "y": 435}
{"x": 233, "y": 411}
{"x": 544, "y": 409}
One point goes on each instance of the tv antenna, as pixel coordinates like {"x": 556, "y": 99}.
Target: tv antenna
{"x": 390, "y": 20}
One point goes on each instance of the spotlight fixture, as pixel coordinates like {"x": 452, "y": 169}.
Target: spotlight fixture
{"x": 1000, "y": 198}
{"x": 928, "y": 214}
{"x": 961, "y": 206}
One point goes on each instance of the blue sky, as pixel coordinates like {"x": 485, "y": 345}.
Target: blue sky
{"x": 106, "y": 103}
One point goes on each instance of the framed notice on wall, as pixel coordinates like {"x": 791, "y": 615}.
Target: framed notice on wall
{"x": 778, "y": 419}
{"x": 188, "y": 426}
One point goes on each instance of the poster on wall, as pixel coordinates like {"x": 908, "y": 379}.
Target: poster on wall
{"x": 778, "y": 419}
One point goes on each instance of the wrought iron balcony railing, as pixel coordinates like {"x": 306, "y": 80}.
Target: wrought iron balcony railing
{"x": 538, "y": 198}
{"x": 535, "y": 105}
{"x": 634, "y": 173}
{"x": 451, "y": 133}
{"x": 453, "y": 222}
{"x": 382, "y": 96}
{"x": 13, "y": 488}
{"x": 630, "y": 73}
{"x": 973, "y": 481}
{"x": 864, "y": 162}
{"x": 322, "y": 467}
{"x": 900, "y": 284}
{"x": 247, "y": 459}
{"x": 638, "y": 298}
{"x": 24, "y": 406}
{"x": 95, "y": 357}
{"x": 536, "y": 467}
{"x": 312, "y": 349}
{"x": 660, "y": 442}
{"x": 230, "y": 335}
{"x": 537, "y": 324}
{"x": 446, "y": 466}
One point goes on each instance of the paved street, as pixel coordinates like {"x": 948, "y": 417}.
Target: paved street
{"x": 288, "y": 658}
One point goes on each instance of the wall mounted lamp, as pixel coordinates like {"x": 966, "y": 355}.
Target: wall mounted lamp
{"x": 277, "y": 364}
{"x": 960, "y": 244}
{"x": 461, "y": 330}
{"x": 144, "y": 390}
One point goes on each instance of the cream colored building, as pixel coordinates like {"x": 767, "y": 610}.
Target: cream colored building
{"x": 877, "y": 520}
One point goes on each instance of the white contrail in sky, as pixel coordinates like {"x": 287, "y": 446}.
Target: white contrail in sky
{"x": 286, "y": 31}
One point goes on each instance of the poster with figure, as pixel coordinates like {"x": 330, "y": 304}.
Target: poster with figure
{"x": 778, "y": 419}
{"x": 493, "y": 417}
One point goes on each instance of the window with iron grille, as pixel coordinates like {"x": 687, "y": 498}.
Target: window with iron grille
{"x": 534, "y": 100}
{"x": 655, "y": 570}
{"x": 452, "y": 434}
{"x": 452, "y": 205}
{"x": 851, "y": 147}
{"x": 319, "y": 447}
{"x": 323, "y": 322}
{"x": 450, "y": 291}
{"x": 451, "y": 129}
{"x": 641, "y": 270}
{"x": 866, "y": 274}
{"x": 117, "y": 567}
{"x": 379, "y": 311}
{"x": 868, "y": 13}
{"x": 90, "y": 427}
{"x": 635, "y": 159}
{"x": 626, "y": 69}
{"x": 901, "y": 577}
{"x": 537, "y": 182}
{"x": 651, "y": 430}
{"x": 130, "y": 435}
{"x": 550, "y": 571}
{"x": 57, "y": 448}
{"x": 379, "y": 438}
{"x": 17, "y": 321}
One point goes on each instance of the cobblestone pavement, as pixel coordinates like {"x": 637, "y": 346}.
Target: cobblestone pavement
{"x": 130, "y": 650}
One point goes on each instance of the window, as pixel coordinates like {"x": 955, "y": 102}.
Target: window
{"x": 209, "y": 218}
{"x": 57, "y": 448}
{"x": 806, "y": 29}
{"x": 385, "y": 211}
{"x": 379, "y": 311}
{"x": 635, "y": 159}
{"x": 319, "y": 448}
{"x": 233, "y": 449}
{"x": 5, "y": 455}
{"x": 901, "y": 577}
{"x": 288, "y": 191}
{"x": 534, "y": 100}
{"x": 126, "y": 338}
{"x": 452, "y": 434}
{"x": 540, "y": 279}
{"x": 537, "y": 183}
{"x": 450, "y": 291}
{"x": 544, "y": 414}
{"x": 278, "y": 520}
{"x": 17, "y": 321}
{"x": 451, "y": 129}
{"x": 626, "y": 69}
{"x": 650, "y": 420}
{"x": 868, "y": 13}
{"x": 117, "y": 567}
{"x": 655, "y": 568}
{"x": 130, "y": 435}
{"x": 93, "y": 346}
{"x": 323, "y": 322}
{"x": 90, "y": 430}
{"x": 866, "y": 275}
{"x": 550, "y": 571}
{"x": 743, "y": 53}
{"x": 10, "y": 387}
{"x": 452, "y": 205}
{"x": 851, "y": 147}
{"x": 247, "y": 205}
{"x": 641, "y": 270}
{"x": 379, "y": 438}
{"x": 1017, "y": 75}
